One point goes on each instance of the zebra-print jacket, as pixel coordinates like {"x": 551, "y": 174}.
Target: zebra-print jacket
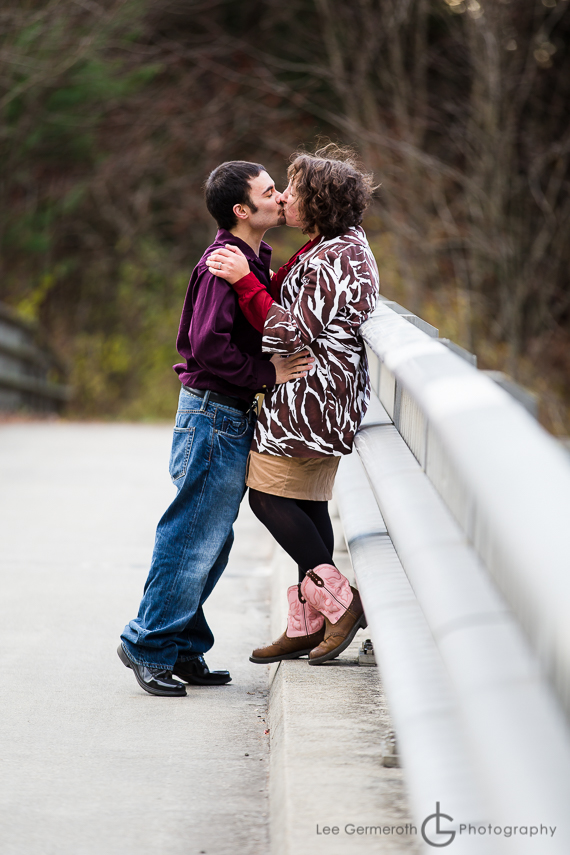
{"x": 328, "y": 293}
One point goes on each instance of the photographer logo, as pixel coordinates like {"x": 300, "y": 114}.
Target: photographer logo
{"x": 432, "y": 831}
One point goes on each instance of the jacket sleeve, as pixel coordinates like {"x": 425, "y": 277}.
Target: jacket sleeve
{"x": 327, "y": 284}
{"x": 324, "y": 292}
{"x": 210, "y": 333}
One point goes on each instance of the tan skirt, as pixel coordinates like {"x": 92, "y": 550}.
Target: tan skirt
{"x": 310, "y": 478}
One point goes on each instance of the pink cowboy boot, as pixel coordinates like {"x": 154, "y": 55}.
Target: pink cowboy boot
{"x": 330, "y": 593}
{"x": 305, "y": 630}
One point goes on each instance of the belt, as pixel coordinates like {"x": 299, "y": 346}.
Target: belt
{"x": 216, "y": 398}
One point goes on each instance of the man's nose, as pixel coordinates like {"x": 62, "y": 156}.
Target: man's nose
{"x": 279, "y": 197}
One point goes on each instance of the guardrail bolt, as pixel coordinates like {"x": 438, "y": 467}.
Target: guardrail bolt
{"x": 366, "y": 653}
{"x": 389, "y": 750}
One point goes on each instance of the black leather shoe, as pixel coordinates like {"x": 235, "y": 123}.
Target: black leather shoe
{"x": 155, "y": 681}
{"x": 196, "y": 671}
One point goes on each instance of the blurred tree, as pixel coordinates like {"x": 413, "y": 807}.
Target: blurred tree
{"x": 462, "y": 109}
{"x": 114, "y": 112}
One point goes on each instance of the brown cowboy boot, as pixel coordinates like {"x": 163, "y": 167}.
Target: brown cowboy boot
{"x": 305, "y": 630}
{"x": 327, "y": 590}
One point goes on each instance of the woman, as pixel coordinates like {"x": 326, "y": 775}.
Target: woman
{"x": 319, "y": 300}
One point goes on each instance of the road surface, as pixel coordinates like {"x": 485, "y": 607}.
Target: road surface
{"x": 89, "y": 763}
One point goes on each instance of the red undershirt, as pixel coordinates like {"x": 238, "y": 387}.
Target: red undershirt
{"x": 254, "y": 300}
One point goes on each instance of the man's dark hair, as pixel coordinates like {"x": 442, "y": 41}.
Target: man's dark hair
{"x": 228, "y": 185}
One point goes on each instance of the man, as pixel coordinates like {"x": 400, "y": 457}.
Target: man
{"x": 223, "y": 370}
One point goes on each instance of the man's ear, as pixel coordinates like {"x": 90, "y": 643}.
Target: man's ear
{"x": 241, "y": 211}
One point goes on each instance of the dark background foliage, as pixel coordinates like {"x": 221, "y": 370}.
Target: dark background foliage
{"x": 114, "y": 112}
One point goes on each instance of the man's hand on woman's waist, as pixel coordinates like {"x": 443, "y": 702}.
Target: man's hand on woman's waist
{"x": 292, "y": 367}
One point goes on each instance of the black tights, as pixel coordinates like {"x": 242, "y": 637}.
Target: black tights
{"x": 301, "y": 527}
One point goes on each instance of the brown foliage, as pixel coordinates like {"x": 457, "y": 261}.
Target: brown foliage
{"x": 115, "y": 112}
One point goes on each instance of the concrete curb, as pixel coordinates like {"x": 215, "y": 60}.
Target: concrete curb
{"x": 327, "y": 725}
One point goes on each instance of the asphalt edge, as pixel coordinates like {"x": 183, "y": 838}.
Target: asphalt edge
{"x": 282, "y": 697}
{"x": 281, "y": 813}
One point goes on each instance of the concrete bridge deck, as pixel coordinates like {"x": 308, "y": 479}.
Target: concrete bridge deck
{"x": 89, "y": 763}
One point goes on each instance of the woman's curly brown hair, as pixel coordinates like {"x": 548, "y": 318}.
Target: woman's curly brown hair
{"x": 332, "y": 190}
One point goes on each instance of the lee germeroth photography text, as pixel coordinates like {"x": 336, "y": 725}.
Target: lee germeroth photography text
{"x": 433, "y": 833}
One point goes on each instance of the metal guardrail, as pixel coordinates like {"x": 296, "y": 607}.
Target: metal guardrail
{"x": 456, "y": 513}
{"x": 26, "y": 368}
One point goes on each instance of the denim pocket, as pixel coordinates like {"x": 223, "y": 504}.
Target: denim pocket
{"x": 233, "y": 427}
{"x": 180, "y": 452}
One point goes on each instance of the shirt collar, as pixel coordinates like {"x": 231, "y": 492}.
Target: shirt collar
{"x": 224, "y": 236}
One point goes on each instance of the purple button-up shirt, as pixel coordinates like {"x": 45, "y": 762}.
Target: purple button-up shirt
{"x": 222, "y": 350}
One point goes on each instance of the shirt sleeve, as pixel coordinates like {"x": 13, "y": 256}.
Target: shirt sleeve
{"x": 254, "y": 301}
{"x": 211, "y": 336}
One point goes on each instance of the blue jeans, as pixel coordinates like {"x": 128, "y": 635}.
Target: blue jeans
{"x": 194, "y": 537}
